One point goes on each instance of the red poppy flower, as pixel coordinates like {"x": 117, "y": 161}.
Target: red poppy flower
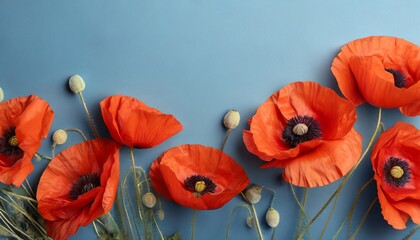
{"x": 396, "y": 163}
{"x": 197, "y": 176}
{"x": 383, "y": 71}
{"x": 308, "y": 130}
{"x": 133, "y": 123}
{"x": 24, "y": 121}
{"x": 78, "y": 186}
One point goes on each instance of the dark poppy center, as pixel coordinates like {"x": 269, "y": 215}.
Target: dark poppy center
{"x": 200, "y": 185}
{"x": 399, "y": 79}
{"x": 84, "y": 184}
{"x": 397, "y": 172}
{"x": 301, "y": 129}
{"x": 9, "y": 146}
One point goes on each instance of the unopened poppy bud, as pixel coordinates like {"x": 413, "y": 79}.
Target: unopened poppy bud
{"x": 253, "y": 194}
{"x": 149, "y": 200}
{"x": 1, "y": 94}
{"x": 76, "y": 84}
{"x": 231, "y": 119}
{"x": 160, "y": 214}
{"x": 250, "y": 222}
{"x": 60, "y": 136}
{"x": 272, "y": 217}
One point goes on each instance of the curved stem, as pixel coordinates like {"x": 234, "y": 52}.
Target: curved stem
{"x": 338, "y": 190}
{"x": 231, "y": 217}
{"x": 226, "y": 138}
{"x": 352, "y": 209}
{"x": 91, "y": 123}
{"x": 302, "y": 209}
{"x": 329, "y": 217}
{"x": 78, "y": 131}
{"x": 159, "y": 231}
{"x": 193, "y": 224}
{"x": 274, "y": 195}
{"x": 255, "y": 216}
{"x": 350, "y": 215}
{"x": 38, "y": 155}
{"x": 363, "y": 219}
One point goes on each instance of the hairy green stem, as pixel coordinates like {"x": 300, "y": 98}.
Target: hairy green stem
{"x": 91, "y": 123}
{"x": 412, "y": 232}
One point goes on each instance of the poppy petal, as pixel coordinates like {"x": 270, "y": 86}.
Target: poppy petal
{"x": 395, "y": 218}
{"x": 377, "y": 85}
{"x": 133, "y": 123}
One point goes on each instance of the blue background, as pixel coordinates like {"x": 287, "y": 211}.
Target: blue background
{"x": 197, "y": 59}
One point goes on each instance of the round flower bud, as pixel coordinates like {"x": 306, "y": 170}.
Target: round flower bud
{"x": 60, "y": 136}
{"x": 272, "y": 217}
{"x": 160, "y": 214}
{"x": 76, "y": 84}
{"x": 149, "y": 200}
{"x": 253, "y": 194}
{"x": 250, "y": 222}
{"x": 231, "y": 119}
{"x": 1, "y": 94}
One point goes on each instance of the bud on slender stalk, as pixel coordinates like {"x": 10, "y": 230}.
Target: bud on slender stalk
{"x": 60, "y": 137}
{"x": 149, "y": 200}
{"x": 272, "y": 217}
{"x": 76, "y": 84}
{"x": 160, "y": 214}
{"x": 231, "y": 119}
{"x": 250, "y": 222}
{"x": 253, "y": 194}
{"x": 1, "y": 94}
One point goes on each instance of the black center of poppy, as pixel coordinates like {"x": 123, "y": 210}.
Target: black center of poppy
{"x": 200, "y": 185}
{"x": 9, "y": 145}
{"x": 397, "y": 172}
{"x": 84, "y": 184}
{"x": 301, "y": 129}
{"x": 399, "y": 79}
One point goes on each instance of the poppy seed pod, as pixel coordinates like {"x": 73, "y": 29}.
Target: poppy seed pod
{"x": 149, "y": 200}
{"x": 272, "y": 217}
{"x": 1, "y": 94}
{"x": 231, "y": 119}
{"x": 250, "y": 222}
{"x": 253, "y": 194}
{"x": 60, "y": 137}
{"x": 76, "y": 84}
{"x": 160, "y": 214}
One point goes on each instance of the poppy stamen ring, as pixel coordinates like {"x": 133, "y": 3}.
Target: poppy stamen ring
{"x": 13, "y": 141}
{"x": 301, "y": 129}
{"x": 200, "y": 185}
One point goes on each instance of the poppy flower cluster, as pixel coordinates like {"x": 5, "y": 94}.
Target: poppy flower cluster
{"x": 381, "y": 70}
{"x": 396, "y": 163}
{"x": 308, "y": 130}
{"x": 24, "y": 122}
